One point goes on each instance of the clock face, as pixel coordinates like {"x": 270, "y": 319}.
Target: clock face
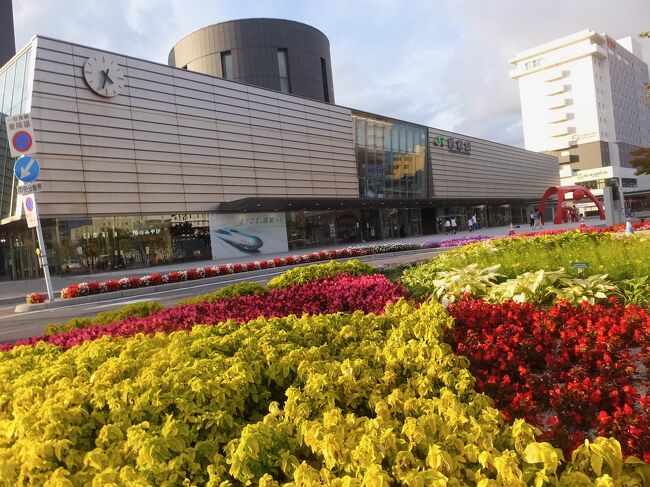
{"x": 104, "y": 75}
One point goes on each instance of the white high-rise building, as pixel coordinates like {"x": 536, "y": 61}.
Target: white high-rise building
{"x": 583, "y": 100}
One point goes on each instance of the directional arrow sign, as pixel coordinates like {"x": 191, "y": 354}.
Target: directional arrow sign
{"x": 26, "y": 169}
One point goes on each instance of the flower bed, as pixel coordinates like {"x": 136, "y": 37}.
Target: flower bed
{"x": 36, "y": 298}
{"x": 94, "y": 287}
{"x": 342, "y": 293}
{"x": 572, "y": 371}
{"x": 317, "y": 400}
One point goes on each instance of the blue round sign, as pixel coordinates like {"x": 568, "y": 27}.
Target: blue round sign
{"x": 26, "y": 169}
{"x": 29, "y": 204}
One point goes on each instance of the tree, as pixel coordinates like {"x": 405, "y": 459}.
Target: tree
{"x": 641, "y": 161}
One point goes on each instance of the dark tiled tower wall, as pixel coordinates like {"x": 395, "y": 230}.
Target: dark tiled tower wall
{"x": 7, "y": 41}
{"x": 254, "y": 44}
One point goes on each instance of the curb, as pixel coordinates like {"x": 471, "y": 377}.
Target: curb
{"x": 126, "y": 293}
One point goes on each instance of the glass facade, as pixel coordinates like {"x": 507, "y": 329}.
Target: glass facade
{"x": 309, "y": 229}
{"x": 88, "y": 245}
{"x": 391, "y": 158}
{"x": 15, "y": 98}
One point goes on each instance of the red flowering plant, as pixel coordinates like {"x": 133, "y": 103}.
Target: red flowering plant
{"x": 568, "y": 370}
{"x": 36, "y": 298}
{"x": 342, "y": 293}
{"x": 172, "y": 277}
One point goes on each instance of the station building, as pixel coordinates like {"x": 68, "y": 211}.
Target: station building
{"x": 144, "y": 163}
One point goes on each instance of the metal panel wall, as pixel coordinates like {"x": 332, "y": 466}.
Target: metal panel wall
{"x": 254, "y": 44}
{"x": 492, "y": 170}
{"x": 175, "y": 141}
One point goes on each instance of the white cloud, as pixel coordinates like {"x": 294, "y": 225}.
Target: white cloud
{"x": 438, "y": 62}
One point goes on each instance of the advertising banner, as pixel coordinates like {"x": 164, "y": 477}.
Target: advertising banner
{"x": 247, "y": 234}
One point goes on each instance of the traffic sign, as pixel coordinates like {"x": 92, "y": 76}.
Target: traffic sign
{"x": 26, "y": 169}
{"x": 22, "y": 141}
{"x": 29, "y": 188}
{"x": 31, "y": 213}
{"x": 20, "y": 134}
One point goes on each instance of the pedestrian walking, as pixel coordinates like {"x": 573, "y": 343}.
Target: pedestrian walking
{"x": 447, "y": 227}
{"x": 538, "y": 219}
{"x": 470, "y": 225}
{"x": 532, "y": 218}
{"x": 454, "y": 226}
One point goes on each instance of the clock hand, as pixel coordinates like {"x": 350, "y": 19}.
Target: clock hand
{"x": 106, "y": 78}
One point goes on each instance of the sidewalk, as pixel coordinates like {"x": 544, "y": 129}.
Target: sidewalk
{"x": 15, "y": 291}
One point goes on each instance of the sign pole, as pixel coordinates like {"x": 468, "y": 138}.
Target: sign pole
{"x": 42, "y": 254}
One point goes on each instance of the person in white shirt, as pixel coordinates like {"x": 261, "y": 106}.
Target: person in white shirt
{"x": 447, "y": 226}
{"x": 470, "y": 225}
{"x": 454, "y": 225}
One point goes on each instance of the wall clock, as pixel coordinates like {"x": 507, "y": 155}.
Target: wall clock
{"x": 103, "y": 75}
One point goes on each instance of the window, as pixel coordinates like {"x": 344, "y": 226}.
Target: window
{"x": 226, "y": 65}
{"x": 283, "y": 68}
{"x": 323, "y": 70}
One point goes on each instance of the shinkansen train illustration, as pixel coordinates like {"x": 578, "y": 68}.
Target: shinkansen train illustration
{"x": 239, "y": 240}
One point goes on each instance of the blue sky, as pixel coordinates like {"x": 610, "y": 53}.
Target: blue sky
{"x": 443, "y": 63}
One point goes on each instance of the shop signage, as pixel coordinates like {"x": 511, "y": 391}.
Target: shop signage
{"x": 20, "y": 135}
{"x": 596, "y": 173}
{"x": 453, "y": 144}
{"x": 583, "y": 137}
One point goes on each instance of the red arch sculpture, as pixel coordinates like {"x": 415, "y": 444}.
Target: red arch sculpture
{"x": 579, "y": 192}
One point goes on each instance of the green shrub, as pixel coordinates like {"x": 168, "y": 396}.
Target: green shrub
{"x": 448, "y": 286}
{"x": 619, "y": 256}
{"x": 394, "y": 272}
{"x": 546, "y": 287}
{"x": 541, "y": 287}
{"x": 135, "y": 309}
{"x": 317, "y": 272}
{"x": 635, "y": 291}
{"x": 239, "y": 289}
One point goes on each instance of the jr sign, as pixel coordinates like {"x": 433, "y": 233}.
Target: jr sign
{"x": 454, "y": 145}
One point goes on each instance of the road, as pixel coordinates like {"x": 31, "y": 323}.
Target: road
{"x": 14, "y": 326}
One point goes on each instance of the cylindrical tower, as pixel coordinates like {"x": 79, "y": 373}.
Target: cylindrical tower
{"x": 282, "y": 55}
{"x": 7, "y": 41}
